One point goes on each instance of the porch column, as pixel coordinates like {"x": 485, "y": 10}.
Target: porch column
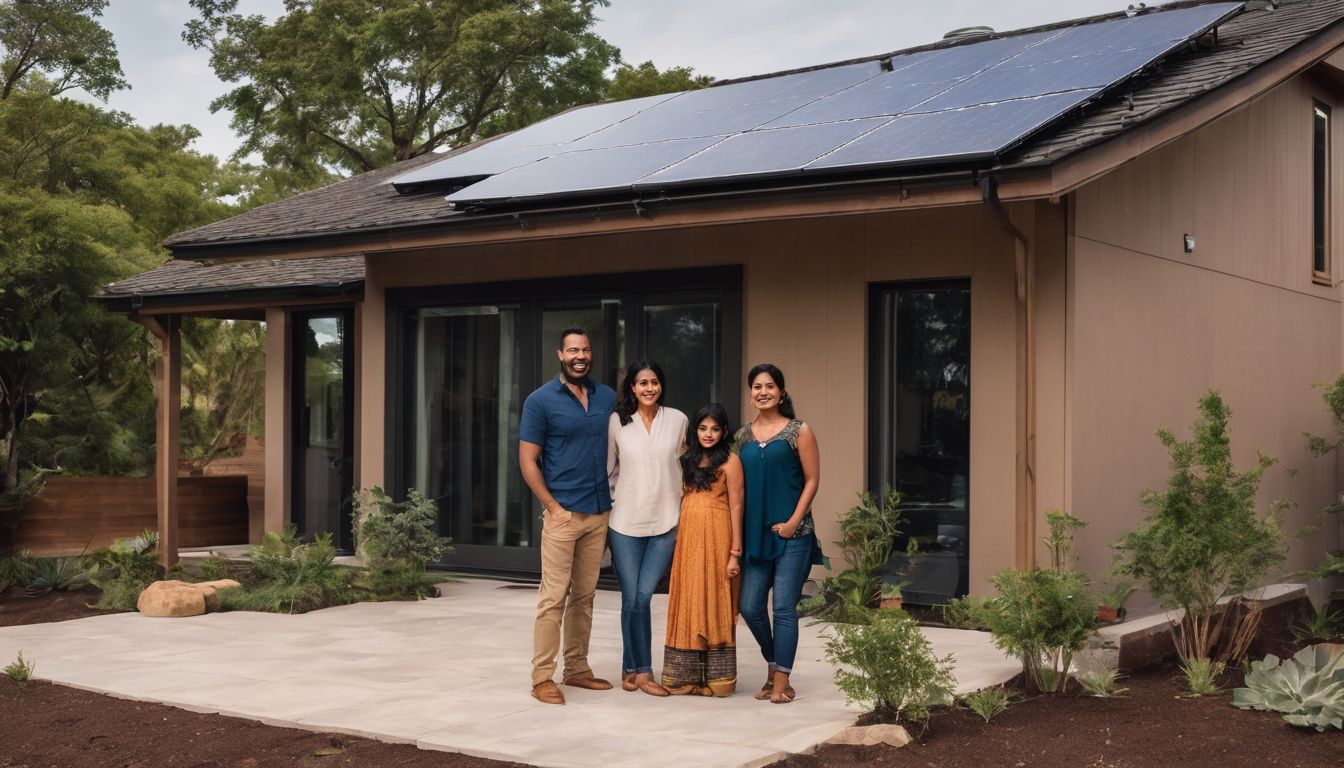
{"x": 277, "y": 420}
{"x": 168, "y": 377}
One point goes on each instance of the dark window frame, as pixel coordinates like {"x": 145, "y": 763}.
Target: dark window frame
{"x": 873, "y": 383}
{"x": 1321, "y": 181}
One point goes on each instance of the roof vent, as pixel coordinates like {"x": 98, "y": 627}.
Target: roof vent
{"x": 966, "y": 32}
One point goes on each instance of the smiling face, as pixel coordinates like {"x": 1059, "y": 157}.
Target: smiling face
{"x": 647, "y": 389}
{"x": 765, "y": 393}
{"x": 709, "y": 432}
{"x": 576, "y": 357}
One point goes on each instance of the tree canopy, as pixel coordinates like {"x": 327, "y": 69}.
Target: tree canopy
{"x": 356, "y": 85}
{"x": 61, "y": 39}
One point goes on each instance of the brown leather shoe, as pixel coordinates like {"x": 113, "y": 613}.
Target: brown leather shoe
{"x": 652, "y": 688}
{"x": 589, "y": 682}
{"x": 628, "y": 682}
{"x": 547, "y": 692}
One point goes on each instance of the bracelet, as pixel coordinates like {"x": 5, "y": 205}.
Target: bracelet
{"x": 734, "y": 553}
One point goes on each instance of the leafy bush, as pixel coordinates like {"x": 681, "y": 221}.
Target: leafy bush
{"x": 965, "y": 613}
{"x": 15, "y": 570}
{"x": 1102, "y": 684}
{"x": 292, "y": 577}
{"x": 987, "y": 702}
{"x": 1201, "y": 676}
{"x": 889, "y": 665}
{"x": 398, "y": 540}
{"x": 868, "y": 534}
{"x": 1308, "y": 689}
{"x": 1043, "y": 616}
{"x": 1202, "y": 538}
{"x": 1333, "y": 565}
{"x": 125, "y": 569}
{"x": 20, "y": 670}
{"x": 59, "y": 574}
{"x": 1317, "y": 623}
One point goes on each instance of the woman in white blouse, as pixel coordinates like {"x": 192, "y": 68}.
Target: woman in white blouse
{"x": 643, "y": 442}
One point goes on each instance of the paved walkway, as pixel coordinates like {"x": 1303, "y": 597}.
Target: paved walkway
{"x": 452, "y": 674}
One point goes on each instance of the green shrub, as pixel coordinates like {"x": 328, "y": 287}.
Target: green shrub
{"x": 292, "y": 577}
{"x": 965, "y": 613}
{"x": 987, "y": 702}
{"x": 216, "y": 568}
{"x": 59, "y": 574}
{"x": 868, "y": 533}
{"x": 1308, "y": 689}
{"x": 1333, "y": 565}
{"x": 1044, "y": 616}
{"x": 125, "y": 569}
{"x": 20, "y": 670}
{"x": 1102, "y": 684}
{"x": 1317, "y": 623}
{"x": 1202, "y": 538}
{"x": 398, "y": 540}
{"x": 15, "y": 570}
{"x": 889, "y": 665}
{"x": 1201, "y": 676}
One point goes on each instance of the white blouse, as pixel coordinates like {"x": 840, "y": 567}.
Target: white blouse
{"x": 644, "y": 474}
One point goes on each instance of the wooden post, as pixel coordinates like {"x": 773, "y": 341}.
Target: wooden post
{"x": 168, "y": 380}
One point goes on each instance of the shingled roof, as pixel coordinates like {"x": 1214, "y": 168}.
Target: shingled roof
{"x": 369, "y": 204}
{"x": 181, "y": 282}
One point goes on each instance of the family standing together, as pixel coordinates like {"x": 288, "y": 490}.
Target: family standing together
{"x": 727, "y": 514}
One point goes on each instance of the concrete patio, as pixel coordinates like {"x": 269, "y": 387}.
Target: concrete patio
{"x": 452, "y": 674}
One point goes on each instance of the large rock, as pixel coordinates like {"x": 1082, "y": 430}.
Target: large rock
{"x": 171, "y": 599}
{"x": 870, "y": 735}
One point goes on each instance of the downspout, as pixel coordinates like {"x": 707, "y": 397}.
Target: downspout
{"x": 1025, "y": 272}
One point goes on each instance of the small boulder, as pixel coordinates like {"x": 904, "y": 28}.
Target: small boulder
{"x": 870, "y": 735}
{"x": 172, "y": 599}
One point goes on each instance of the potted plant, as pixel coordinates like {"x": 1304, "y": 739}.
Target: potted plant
{"x": 890, "y": 597}
{"x": 1111, "y": 601}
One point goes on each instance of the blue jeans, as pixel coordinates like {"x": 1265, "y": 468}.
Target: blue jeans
{"x": 786, "y": 576}
{"x": 641, "y": 562}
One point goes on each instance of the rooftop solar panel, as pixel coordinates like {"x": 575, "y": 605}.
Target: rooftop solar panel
{"x": 958, "y": 103}
{"x": 758, "y": 154}
{"x": 962, "y": 134}
{"x": 588, "y": 171}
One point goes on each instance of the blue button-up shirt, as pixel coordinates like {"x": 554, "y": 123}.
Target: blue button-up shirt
{"x": 573, "y": 442}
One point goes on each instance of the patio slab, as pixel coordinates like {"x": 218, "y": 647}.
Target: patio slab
{"x": 452, "y": 674}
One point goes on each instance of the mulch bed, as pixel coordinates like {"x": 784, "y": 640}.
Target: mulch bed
{"x": 1148, "y": 726}
{"x": 1151, "y": 725}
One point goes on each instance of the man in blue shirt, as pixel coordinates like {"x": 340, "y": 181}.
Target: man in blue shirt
{"x": 562, "y": 449}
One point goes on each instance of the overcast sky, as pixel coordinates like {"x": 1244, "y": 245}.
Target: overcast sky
{"x": 171, "y": 83}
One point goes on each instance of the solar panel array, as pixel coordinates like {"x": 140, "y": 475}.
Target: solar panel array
{"x": 963, "y": 104}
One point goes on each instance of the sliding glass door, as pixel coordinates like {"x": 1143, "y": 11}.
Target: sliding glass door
{"x": 465, "y": 359}
{"x": 322, "y": 461}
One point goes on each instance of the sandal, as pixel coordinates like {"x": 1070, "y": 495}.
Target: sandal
{"x": 681, "y": 691}
{"x": 766, "y": 691}
{"x": 784, "y": 697}
{"x": 652, "y": 688}
{"x": 628, "y": 682}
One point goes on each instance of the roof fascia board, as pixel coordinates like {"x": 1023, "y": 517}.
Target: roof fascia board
{"x": 672, "y": 212}
{"x": 221, "y": 301}
{"x": 1078, "y": 170}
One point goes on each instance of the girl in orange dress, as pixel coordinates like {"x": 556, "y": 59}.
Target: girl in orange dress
{"x": 701, "y": 652}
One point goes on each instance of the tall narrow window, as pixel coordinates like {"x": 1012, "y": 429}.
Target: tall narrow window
{"x": 1320, "y": 180}
{"x": 920, "y": 428}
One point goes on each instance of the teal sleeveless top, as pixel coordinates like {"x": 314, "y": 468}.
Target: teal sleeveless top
{"x": 773, "y": 481}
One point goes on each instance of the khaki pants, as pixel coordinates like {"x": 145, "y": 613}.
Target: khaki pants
{"x": 571, "y": 555}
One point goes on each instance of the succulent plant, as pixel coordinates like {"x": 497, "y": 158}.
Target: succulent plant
{"x": 1307, "y": 689}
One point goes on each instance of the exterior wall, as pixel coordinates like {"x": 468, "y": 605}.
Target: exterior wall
{"x": 1150, "y": 328}
{"x": 805, "y": 286}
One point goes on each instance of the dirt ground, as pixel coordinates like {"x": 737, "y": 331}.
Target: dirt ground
{"x": 1148, "y": 726}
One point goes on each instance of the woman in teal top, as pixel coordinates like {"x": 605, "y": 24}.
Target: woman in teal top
{"x": 781, "y": 469}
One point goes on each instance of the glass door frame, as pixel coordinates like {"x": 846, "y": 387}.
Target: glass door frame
{"x": 876, "y": 293}
{"x": 721, "y": 284}
{"x": 343, "y": 536}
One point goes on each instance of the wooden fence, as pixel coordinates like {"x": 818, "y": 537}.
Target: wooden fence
{"x": 76, "y": 514}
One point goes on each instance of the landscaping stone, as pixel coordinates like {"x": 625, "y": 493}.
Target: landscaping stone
{"x": 175, "y": 599}
{"x": 870, "y": 735}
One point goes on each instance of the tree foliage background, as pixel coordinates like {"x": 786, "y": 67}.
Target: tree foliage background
{"x": 329, "y": 88}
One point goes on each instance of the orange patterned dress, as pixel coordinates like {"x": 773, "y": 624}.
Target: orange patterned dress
{"x": 701, "y": 648}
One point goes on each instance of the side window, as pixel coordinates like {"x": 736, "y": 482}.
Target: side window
{"x": 1320, "y": 180}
